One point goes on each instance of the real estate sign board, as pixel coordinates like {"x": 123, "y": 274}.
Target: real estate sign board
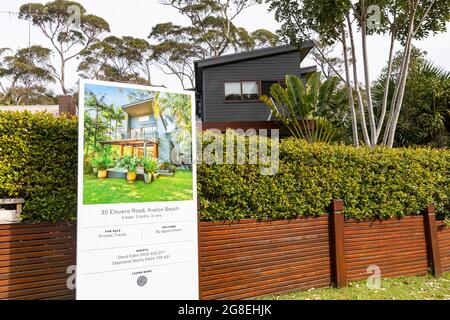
{"x": 137, "y": 208}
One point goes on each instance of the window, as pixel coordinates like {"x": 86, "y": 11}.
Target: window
{"x": 143, "y": 119}
{"x": 241, "y": 91}
{"x": 266, "y": 85}
{"x": 250, "y": 90}
{"x": 233, "y": 91}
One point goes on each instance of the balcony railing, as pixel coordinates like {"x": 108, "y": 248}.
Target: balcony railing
{"x": 138, "y": 134}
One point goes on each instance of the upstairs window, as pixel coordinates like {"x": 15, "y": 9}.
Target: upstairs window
{"x": 250, "y": 90}
{"x": 266, "y": 85}
{"x": 143, "y": 119}
{"x": 233, "y": 91}
{"x": 242, "y": 91}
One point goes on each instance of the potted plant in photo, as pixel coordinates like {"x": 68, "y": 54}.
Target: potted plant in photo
{"x": 172, "y": 169}
{"x": 167, "y": 169}
{"x": 130, "y": 163}
{"x": 102, "y": 163}
{"x": 150, "y": 167}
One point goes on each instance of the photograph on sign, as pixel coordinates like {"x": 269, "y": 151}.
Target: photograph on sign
{"x": 137, "y": 213}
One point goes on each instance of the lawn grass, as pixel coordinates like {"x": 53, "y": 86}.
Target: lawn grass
{"x": 108, "y": 191}
{"x": 402, "y": 288}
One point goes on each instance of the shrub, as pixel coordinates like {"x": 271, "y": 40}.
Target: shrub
{"x": 38, "y": 161}
{"x": 150, "y": 167}
{"x": 130, "y": 163}
{"x": 375, "y": 183}
{"x": 103, "y": 162}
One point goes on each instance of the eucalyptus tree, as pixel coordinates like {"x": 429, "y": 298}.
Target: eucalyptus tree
{"x": 404, "y": 21}
{"x": 125, "y": 59}
{"x": 68, "y": 27}
{"x": 211, "y": 32}
{"x": 25, "y": 75}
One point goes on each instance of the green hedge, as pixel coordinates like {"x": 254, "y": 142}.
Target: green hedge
{"x": 373, "y": 182}
{"x": 38, "y": 161}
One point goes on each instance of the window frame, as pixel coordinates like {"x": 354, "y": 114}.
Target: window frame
{"x": 281, "y": 82}
{"x": 242, "y": 100}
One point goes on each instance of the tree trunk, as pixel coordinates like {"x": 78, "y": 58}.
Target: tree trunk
{"x": 401, "y": 92}
{"x": 355, "y": 79}
{"x": 350, "y": 90}
{"x": 373, "y": 130}
{"x": 391, "y": 112}
{"x": 63, "y": 76}
{"x": 403, "y": 77}
{"x": 386, "y": 86}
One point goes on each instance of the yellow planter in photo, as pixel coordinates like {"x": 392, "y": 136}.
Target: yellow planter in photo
{"x": 102, "y": 174}
{"x": 131, "y": 176}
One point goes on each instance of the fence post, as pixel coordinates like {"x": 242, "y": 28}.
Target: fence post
{"x": 432, "y": 240}
{"x": 338, "y": 242}
{"x": 199, "y": 248}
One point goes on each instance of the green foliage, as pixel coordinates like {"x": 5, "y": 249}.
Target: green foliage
{"x": 103, "y": 161}
{"x": 297, "y": 104}
{"x": 25, "y": 76}
{"x": 68, "y": 27}
{"x": 212, "y": 32}
{"x": 38, "y": 161}
{"x": 165, "y": 165}
{"x": 150, "y": 167}
{"x": 97, "y": 127}
{"x": 426, "y": 105}
{"x": 117, "y": 59}
{"x": 131, "y": 163}
{"x": 373, "y": 182}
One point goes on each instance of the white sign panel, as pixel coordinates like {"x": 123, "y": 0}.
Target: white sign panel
{"x": 137, "y": 208}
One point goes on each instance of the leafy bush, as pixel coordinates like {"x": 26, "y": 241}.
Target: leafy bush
{"x": 103, "y": 161}
{"x": 150, "y": 167}
{"x": 130, "y": 163}
{"x": 38, "y": 161}
{"x": 165, "y": 165}
{"x": 373, "y": 182}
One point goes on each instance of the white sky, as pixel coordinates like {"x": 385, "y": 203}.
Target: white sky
{"x": 137, "y": 17}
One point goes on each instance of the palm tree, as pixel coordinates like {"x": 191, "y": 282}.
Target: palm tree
{"x": 98, "y": 106}
{"x": 108, "y": 114}
{"x": 426, "y": 120}
{"x": 300, "y": 107}
{"x": 119, "y": 116}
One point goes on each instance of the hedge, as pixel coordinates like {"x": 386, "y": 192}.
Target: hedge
{"x": 38, "y": 161}
{"x": 375, "y": 183}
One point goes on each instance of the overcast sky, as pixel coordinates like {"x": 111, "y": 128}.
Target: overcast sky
{"x": 137, "y": 17}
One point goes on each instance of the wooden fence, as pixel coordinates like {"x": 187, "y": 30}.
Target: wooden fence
{"x": 34, "y": 259}
{"x": 247, "y": 259}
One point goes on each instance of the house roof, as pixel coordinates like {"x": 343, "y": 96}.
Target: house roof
{"x": 142, "y": 108}
{"x": 307, "y": 71}
{"x": 139, "y": 108}
{"x": 255, "y": 54}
